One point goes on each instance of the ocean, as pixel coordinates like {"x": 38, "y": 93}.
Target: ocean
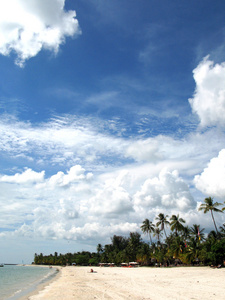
{"x": 17, "y": 281}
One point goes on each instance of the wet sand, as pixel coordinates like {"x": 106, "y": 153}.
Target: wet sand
{"x": 135, "y": 283}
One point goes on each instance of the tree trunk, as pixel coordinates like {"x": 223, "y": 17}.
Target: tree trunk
{"x": 214, "y": 221}
{"x": 165, "y": 232}
{"x": 150, "y": 238}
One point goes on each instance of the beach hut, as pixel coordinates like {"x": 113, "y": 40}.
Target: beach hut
{"x": 124, "y": 264}
{"x": 133, "y": 264}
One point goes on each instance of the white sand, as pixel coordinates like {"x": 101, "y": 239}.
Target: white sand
{"x": 136, "y": 283}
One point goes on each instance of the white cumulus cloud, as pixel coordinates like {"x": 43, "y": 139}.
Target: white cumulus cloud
{"x": 112, "y": 200}
{"x": 75, "y": 174}
{"x": 28, "y": 176}
{"x": 167, "y": 190}
{"x": 27, "y": 27}
{"x": 209, "y": 98}
{"x": 211, "y": 180}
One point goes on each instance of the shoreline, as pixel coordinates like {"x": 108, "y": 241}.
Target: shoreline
{"x": 34, "y": 289}
{"x": 181, "y": 283}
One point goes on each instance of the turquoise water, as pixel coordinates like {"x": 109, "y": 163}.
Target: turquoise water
{"x": 17, "y": 281}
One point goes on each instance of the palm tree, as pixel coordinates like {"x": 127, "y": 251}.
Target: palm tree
{"x": 212, "y": 236}
{"x": 177, "y": 247}
{"x": 143, "y": 254}
{"x": 99, "y": 249}
{"x": 186, "y": 233}
{"x": 197, "y": 233}
{"x": 193, "y": 251}
{"x": 148, "y": 227}
{"x": 158, "y": 234}
{"x": 210, "y": 206}
{"x": 162, "y": 221}
{"x": 176, "y": 223}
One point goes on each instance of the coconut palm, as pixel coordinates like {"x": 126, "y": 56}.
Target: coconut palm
{"x": 148, "y": 227}
{"x": 143, "y": 254}
{"x": 212, "y": 236}
{"x": 197, "y": 233}
{"x": 158, "y": 234}
{"x": 177, "y": 247}
{"x": 210, "y": 206}
{"x": 176, "y": 223}
{"x": 99, "y": 249}
{"x": 162, "y": 221}
{"x": 186, "y": 233}
{"x": 193, "y": 250}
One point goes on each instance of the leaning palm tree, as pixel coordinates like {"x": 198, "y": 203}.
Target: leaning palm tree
{"x": 176, "y": 223}
{"x": 162, "y": 221}
{"x": 210, "y": 206}
{"x": 148, "y": 227}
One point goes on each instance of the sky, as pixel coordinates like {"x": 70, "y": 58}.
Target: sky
{"x": 111, "y": 112}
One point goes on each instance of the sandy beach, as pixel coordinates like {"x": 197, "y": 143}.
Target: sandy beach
{"x": 135, "y": 283}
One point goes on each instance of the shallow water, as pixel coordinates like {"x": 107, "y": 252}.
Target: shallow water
{"x": 17, "y": 281}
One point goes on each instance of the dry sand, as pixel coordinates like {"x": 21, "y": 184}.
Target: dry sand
{"x": 136, "y": 284}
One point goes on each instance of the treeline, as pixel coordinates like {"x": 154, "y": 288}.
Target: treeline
{"x": 183, "y": 245}
{"x": 83, "y": 258}
{"x": 121, "y": 250}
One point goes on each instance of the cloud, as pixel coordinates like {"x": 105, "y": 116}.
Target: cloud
{"x": 63, "y": 141}
{"x": 28, "y": 176}
{"x": 68, "y": 209}
{"x": 69, "y": 141}
{"x": 154, "y": 44}
{"x": 147, "y": 150}
{"x": 211, "y": 180}
{"x": 166, "y": 191}
{"x": 95, "y": 184}
{"x": 209, "y": 98}
{"x": 80, "y": 208}
{"x": 111, "y": 201}
{"x": 75, "y": 174}
{"x": 27, "y": 27}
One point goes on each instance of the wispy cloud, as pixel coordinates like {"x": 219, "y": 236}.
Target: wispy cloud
{"x": 67, "y": 137}
{"x": 104, "y": 183}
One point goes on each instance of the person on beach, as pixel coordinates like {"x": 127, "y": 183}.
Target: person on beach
{"x": 92, "y": 271}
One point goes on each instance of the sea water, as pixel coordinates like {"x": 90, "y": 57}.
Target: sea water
{"x": 17, "y": 281}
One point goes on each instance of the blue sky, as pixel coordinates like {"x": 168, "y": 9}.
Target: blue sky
{"x": 110, "y": 112}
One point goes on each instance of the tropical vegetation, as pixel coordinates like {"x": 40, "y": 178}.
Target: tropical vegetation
{"x": 182, "y": 245}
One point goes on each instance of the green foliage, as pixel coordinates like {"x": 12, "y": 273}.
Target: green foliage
{"x": 148, "y": 227}
{"x": 209, "y": 205}
{"x": 218, "y": 250}
{"x": 162, "y": 221}
{"x": 121, "y": 250}
{"x": 177, "y": 224}
{"x": 83, "y": 258}
{"x": 183, "y": 245}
